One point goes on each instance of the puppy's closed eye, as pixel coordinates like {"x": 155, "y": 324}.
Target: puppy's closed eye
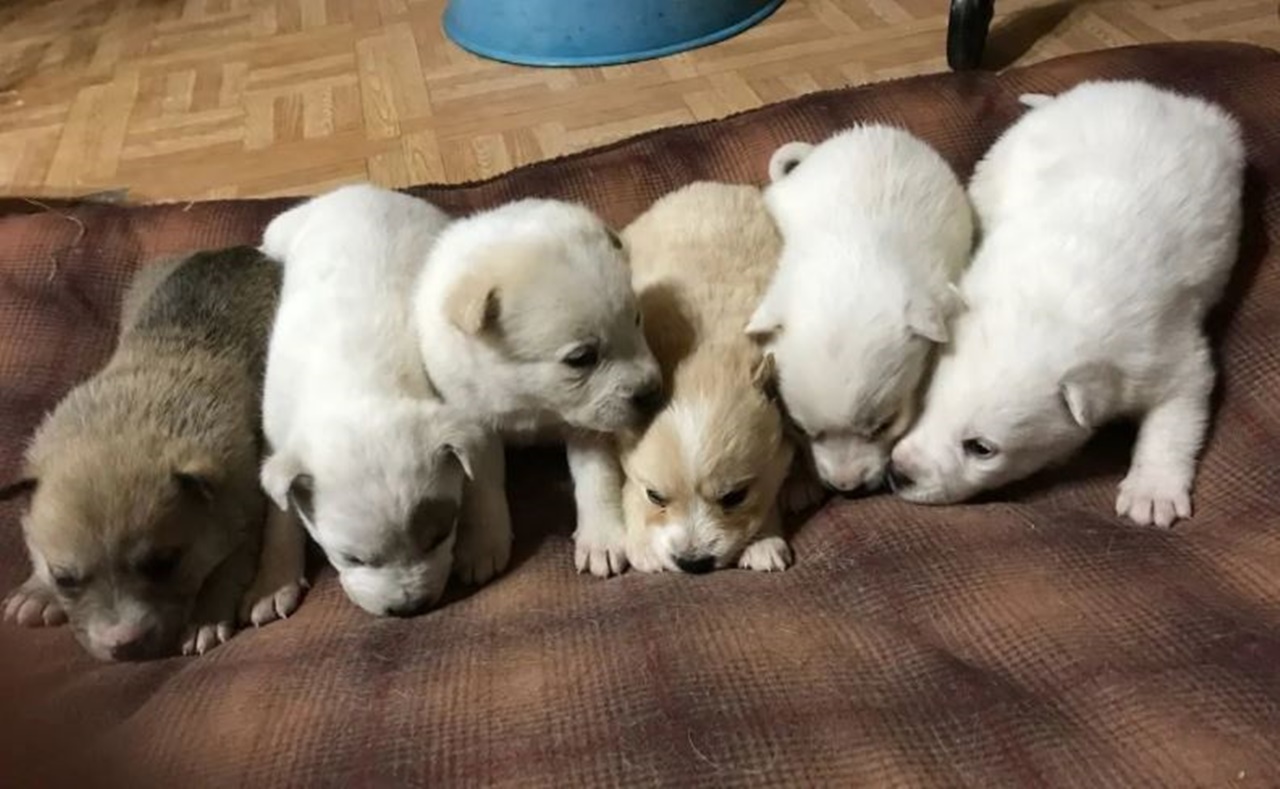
{"x": 733, "y": 498}
{"x": 67, "y": 581}
{"x": 881, "y": 427}
{"x": 979, "y": 448}
{"x": 158, "y": 565}
{"x": 582, "y": 357}
{"x": 656, "y": 498}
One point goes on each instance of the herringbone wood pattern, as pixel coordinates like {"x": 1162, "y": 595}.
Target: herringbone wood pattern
{"x": 183, "y": 99}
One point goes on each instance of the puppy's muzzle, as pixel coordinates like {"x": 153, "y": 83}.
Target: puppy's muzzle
{"x": 697, "y": 565}
{"x": 648, "y": 400}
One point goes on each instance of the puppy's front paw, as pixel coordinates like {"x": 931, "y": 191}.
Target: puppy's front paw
{"x": 270, "y": 599}
{"x": 1154, "y": 498}
{"x": 601, "y": 551}
{"x": 200, "y": 638}
{"x": 34, "y": 605}
{"x": 481, "y": 554}
{"x": 769, "y": 555}
{"x": 642, "y": 558}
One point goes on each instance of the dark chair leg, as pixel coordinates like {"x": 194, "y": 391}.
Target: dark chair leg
{"x": 967, "y": 32}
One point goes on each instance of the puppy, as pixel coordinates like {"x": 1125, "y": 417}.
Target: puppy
{"x": 527, "y": 319}
{"x": 1110, "y": 218}
{"x": 702, "y": 480}
{"x": 876, "y": 229}
{"x": 372, "y": 462}
{"x": 145, "y": 520}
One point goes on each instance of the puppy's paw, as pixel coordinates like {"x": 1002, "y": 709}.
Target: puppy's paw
{"x": 1154, "y": 498}
{"x": 600, "y": 551}
{"x": 481, "y": 554}
{"x": 34, "y": 605}
{"x": 801, "y": 493}
{"x": 643, "y": 559}
{"x": 200, "y": 638}
{"x": 772, "y": 554}
{"x": 271, "y": 599}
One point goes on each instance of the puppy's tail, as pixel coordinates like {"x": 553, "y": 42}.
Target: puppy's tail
{"x": 1034, "y": 100}
{"x": 787, "y": 158}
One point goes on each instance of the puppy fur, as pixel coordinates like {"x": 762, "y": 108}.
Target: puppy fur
{"x": 1111, "y": 217}
{"x": 876, "y": 230}
{"x": 527, "y": 318}
{"x": 145, "y": 520}
{"x": 702, "y": 480}
{"x": 374, "y": 464}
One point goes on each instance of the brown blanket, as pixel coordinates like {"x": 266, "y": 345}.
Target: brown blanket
{"x": 1032, "y": 639}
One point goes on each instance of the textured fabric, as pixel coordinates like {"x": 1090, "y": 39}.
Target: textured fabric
{"x": 1031, "y": 639}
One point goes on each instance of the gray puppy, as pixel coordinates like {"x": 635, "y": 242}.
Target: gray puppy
{"x": 145, "y": 521}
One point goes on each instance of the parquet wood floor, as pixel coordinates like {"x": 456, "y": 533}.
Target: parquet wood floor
{"x": 186, "y": 99}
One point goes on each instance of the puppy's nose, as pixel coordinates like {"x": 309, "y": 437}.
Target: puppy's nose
{"x": 128, "y": 643}
{"x": 696, "y": 565}
{"x": 898, "y": 479}
{"x": 408, "y": 609}
{"x": 648, "y": 399}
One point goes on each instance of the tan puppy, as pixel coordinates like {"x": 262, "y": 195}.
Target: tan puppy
{"x": 146, "y": 518}
{"x": 702, "y": 481}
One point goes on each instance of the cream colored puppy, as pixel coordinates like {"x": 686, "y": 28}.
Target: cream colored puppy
{"x": 527, "y": 321}
{"x": 702, "y": 480}
{"x": 876, "y": 230}
{"x": 360, "y": 445}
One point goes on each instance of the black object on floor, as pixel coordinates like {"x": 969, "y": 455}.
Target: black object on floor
{"x": 967, "y": 32}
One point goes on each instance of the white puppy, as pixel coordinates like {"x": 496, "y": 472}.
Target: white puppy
{"x": 876, "y": 229}
{"x": 703, "y": 477}
{"x": 1110, "y": 218}
{"x": 527, "y": 320}
{"x": 372, "y": 461}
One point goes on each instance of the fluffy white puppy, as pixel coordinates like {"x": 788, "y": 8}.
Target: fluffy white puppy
{"x": 527, "y": 320}
{"x": 371, "y": 460}
{"x": 1110, "y": 217}
{"x": 876, "y": 229}
{"x": 702, "y": 479}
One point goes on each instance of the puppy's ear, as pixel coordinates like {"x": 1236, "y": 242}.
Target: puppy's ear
{"x": 765, "y": 377}
{"x": 930, "y": 316}
{"x": 787, "y": 158}
{"x": 474, "y": 304}
{"x": 23, "y": 486}
{"x": 462, "y": 454}
{"x": 1091, "y": 393}
{"x": 766, "y": 322}
{"x": 281, "y": 474}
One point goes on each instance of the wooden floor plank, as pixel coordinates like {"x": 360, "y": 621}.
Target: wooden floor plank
{"x": 182, "y": 100}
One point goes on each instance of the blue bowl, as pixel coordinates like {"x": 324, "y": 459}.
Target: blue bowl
{"x": 595, "y": 32}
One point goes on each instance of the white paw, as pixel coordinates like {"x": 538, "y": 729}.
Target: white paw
{"x": 480, "y": 556}
{"x": 202, "y": 638}
{"x": 772, "y": 554}
{"x": 1154, "y": 498}
{"x": 600, "y": 551}
{"x": 267, "y": 602}
{"x": 801, "y": 493}
{"x": 34, "y": 605}
{"x": 644, "y": 560}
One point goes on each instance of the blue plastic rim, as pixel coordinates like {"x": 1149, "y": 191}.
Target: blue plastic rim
{"x": 595, "y": 32}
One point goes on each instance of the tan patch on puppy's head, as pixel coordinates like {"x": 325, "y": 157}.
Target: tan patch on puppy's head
{"x": 703, "y": 480}
{"x": 558, "y": 318}
{"x": 126, "y": 530}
